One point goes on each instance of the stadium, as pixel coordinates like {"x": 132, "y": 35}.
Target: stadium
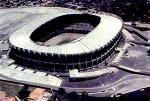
{"x": 58, "y": 45}
{"x": 66, "y": 40}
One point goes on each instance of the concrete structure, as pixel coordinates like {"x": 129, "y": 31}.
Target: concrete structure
{"x": 66, "y": 39}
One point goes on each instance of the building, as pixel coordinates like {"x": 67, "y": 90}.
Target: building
{"x": 67, "y": 40}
